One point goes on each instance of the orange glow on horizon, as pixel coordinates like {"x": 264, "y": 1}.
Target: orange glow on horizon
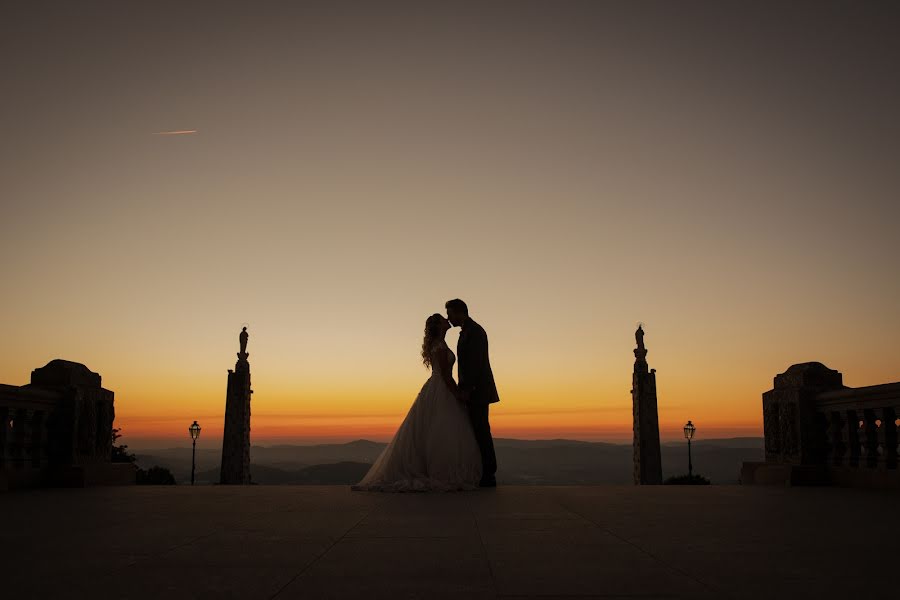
{"x": 275, "y": 429}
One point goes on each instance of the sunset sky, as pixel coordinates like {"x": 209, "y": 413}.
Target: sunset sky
{"x": 331, "y": 173}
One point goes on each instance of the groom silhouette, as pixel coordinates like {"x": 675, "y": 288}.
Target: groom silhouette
{"x": 476, "y": 383}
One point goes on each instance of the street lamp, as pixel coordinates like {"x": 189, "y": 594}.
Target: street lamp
{"x": 195, "y": 433}
{"x": 689, "y": 430}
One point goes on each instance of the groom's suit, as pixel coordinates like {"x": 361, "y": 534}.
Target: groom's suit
{"x": 476, "y": 378}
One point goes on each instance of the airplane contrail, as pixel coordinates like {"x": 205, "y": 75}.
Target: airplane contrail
{"x": 178, "y": 132}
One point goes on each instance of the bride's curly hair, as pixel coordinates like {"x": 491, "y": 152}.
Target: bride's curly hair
{"x": 432, "y": 332}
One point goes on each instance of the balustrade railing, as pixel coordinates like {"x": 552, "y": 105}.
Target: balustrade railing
{"x": 58, "y": 430}
{"x": 24, "y": 440}
{"x": 860, "y": 426}
{"x": 819, "y": 431}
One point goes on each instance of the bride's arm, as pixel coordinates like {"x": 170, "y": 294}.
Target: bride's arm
{"x": 443, "y": 361}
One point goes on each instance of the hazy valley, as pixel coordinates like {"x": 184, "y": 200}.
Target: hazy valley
{"x": 522, "y": 462}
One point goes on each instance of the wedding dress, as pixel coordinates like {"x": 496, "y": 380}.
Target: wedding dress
{"x": 434, "y": 448}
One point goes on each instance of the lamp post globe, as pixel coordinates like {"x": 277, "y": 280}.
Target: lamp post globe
{"x": 194, "y": 430}
{"x": 689, "y": 430}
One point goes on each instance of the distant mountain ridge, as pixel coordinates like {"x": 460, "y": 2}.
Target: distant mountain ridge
{"x": 738, "y": 442}
{"x": 526, "y": 462}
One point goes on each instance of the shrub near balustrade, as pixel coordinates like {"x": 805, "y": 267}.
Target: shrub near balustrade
{"x": 155, "y": 476}
{"x": 120, "y": 453}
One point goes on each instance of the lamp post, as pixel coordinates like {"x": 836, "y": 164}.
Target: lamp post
{"x": 689, "y": 430}
{"x": 195, "y": 433}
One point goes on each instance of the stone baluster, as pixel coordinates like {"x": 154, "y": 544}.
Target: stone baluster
{"x": 853, "y": 444}
{"x": 25, "y": 438}
{"x": 869, "y": 429}
{"x": 4, "y": 436}
{"x": 37, "y": 439}
{"x": 17, "y": 450}
{"x": 889, "y": 437}
{"x": 897, "y": 434}
{"x": 837, "y": 437}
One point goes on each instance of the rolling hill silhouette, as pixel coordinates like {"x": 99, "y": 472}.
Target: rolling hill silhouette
{"x": 526, "y": 462}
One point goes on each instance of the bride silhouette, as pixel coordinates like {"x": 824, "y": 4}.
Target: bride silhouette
{"x": 434, "y": 448}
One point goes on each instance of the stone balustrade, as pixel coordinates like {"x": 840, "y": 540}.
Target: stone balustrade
{"x": 858, "y": 427}
{"x": 25, "y": 415}
{"x": 57, "y": 430}
{"x": 818, "y": 431}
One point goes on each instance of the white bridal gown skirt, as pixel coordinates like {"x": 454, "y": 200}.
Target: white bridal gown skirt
{"x": 433, "y": 450}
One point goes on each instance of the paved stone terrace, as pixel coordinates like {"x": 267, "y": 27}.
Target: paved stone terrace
{"x": 510, "y": 542}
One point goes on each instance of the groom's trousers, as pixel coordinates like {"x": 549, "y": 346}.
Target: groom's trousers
{"x": 478, "y": 414}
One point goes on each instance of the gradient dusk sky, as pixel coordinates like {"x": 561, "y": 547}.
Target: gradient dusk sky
{"x": 331, "y": 173}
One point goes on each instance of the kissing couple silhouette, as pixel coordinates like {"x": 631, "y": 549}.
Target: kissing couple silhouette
{"x": 444, "y": 443}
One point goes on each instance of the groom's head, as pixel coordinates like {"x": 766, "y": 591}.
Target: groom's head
{"x": 457, "y": 312}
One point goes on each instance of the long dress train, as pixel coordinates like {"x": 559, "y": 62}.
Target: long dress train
{"x": 434, "y": 448}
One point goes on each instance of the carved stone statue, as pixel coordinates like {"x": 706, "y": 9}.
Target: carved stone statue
{"x": 243, "y": 337}
{"x": 639, "y": 336}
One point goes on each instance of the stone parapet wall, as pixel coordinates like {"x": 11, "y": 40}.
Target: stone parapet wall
{"x": 819, "y": 431}
{"x": 60, "y": 421}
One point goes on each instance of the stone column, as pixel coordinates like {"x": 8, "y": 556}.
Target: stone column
{"x": 235, "y": 469}
{"x": 647, "y": 460}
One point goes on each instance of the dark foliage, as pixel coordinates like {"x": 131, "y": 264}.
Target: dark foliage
{"x": 155, "y": 476}
{"x": 120, "y": 453}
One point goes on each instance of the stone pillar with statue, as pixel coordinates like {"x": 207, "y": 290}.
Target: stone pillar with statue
{"x": 647, "y": 460}
{"x": 235, "y": 469}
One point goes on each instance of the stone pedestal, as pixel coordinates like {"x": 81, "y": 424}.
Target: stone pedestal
{"x": 792, "y": 435}
{"x": 647, "y": 460}
{"x": 235, "y": 468}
